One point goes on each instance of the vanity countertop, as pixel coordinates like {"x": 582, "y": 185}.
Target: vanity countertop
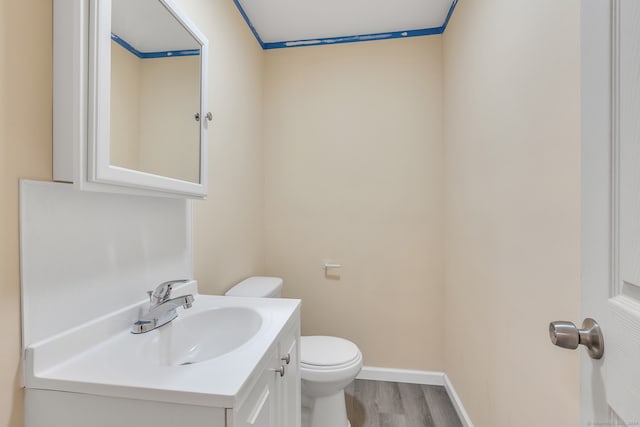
{"x": 104, "y": 358}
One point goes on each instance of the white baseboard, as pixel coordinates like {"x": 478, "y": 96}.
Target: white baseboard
{"x": 418, "y": 377}
{"x": 457, "y": 403}
{"x": 401, "y": 375}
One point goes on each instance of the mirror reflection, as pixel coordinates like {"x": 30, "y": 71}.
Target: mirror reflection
{"x": 155, "y": 92}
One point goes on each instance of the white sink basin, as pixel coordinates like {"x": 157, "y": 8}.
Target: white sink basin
{"x": 204, "y": 357}
{"x": 202, "y": 336}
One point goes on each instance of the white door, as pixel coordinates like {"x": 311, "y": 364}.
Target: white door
{"x": 610, "y": 87}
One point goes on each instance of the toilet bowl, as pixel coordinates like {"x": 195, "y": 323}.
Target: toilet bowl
{"x": 327, "y": 364}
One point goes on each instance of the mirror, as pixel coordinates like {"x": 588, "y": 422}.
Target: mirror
{"x": 155, "y": 91}
{"x": 129, "y": 86}
{"x": 147, "y": 76}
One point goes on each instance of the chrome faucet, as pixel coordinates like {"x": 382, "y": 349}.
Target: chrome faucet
{"x": 162, "y": 308}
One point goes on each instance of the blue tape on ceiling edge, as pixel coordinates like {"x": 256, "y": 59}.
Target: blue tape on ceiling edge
{"x": 354, "y": 39}
{"x": 248, "y": 21}
{"x": 149, "y": 55}
{"x": 451, "y": 9}
{"x": 346, "y": 39}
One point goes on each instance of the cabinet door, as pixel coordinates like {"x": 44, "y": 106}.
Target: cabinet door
{"x": 290, "y": 383}
{"x": 260, "y": 408}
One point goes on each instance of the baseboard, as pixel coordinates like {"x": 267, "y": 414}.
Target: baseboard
{"x": 401, "y": 375}
{"x": 418, "y": 377}
{"x": 457, "y": 403}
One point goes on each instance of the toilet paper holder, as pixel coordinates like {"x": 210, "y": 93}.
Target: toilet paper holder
{"x": 328, "y": 265}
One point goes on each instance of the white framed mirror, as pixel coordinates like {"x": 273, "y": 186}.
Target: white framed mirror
{"x": 136, "y": 119}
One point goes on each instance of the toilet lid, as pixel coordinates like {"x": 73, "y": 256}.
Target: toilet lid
{"x": 327, "y": 351}
{"x": 257, "y": 286}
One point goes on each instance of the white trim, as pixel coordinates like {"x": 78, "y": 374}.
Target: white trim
{"x": 596, "y": 130}
{"x": 457, "y": 402}
{"x": 401, "y": 375}
{"x": 418, "y": 377}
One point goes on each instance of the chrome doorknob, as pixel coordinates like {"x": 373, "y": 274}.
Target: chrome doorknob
{"x": 567, "y": 335}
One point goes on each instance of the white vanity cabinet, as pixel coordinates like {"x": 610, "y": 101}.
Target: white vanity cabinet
{"x": 91, "y": 377}
{"x": 290, "y": 385}
{"x": 274, "y": 400}
{"x": 49, "y": 408}
{"x": 260, "y": 409}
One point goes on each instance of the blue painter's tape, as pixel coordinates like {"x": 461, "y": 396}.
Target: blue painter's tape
{"x": 451, "y": 9}
{"x": 248, "y": 21}
{"x": 148, "y": 55}
{"x": 347, "y": 39}
{"x": 353, "y": 39}
{"x": 170, "y": 53}
{"x": 125, "y": 45}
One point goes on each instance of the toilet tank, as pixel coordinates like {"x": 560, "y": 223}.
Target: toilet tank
{"x": 257, "y": 286}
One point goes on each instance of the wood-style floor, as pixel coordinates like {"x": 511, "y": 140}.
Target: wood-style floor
{"x": 388, "y": 404}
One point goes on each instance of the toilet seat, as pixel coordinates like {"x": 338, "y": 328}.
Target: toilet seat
{"x": 328, "y": 359}
{"x": 322, "y": 352}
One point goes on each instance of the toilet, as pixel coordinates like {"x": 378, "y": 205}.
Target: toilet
{"x": 327, "y": 364}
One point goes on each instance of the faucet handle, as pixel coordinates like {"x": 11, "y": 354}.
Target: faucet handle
{"x": 163, "y": 291}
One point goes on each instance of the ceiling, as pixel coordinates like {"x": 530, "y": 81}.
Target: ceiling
{"x": 161, "y": 30}
{"x": 290, "y": 23}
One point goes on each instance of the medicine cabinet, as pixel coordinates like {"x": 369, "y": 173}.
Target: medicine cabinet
{"x": 130, "y": 98}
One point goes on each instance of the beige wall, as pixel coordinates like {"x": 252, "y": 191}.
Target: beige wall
{"x": 229, "y": 224}
{"x": 169, "y": 133}
{"x": 512, "y": 208}
{"x": 25, "y": 152}
{"x": 153, "y": 102}
{"x": 354, "y": 173}
{"x": 124, "y": 135}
